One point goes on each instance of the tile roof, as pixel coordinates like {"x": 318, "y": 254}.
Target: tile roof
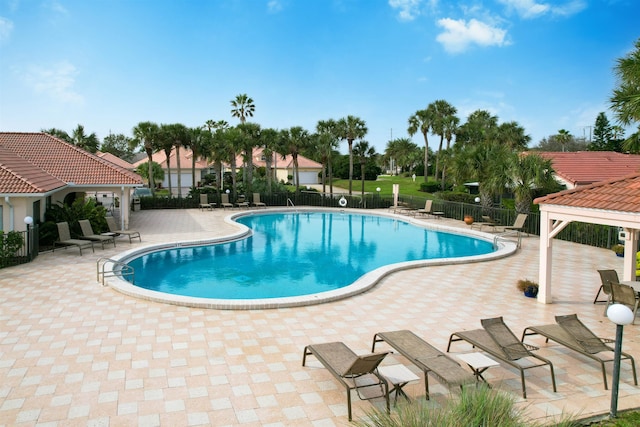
{"x": 621, "y": 194}
{"x": 186, "y": 157}
{"x": 37, "y": 162}
{"x": 586, "y": 167}
{"x": 18, "y": 175}
{"x": 115, "y": 160}
{"x": 303, "y": 162}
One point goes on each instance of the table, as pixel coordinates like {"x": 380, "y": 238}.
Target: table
{"x": 398, "y": 376}
{"x": 478, "y": 363}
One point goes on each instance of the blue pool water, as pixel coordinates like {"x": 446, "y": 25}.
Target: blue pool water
{"x": 292, "y": 254}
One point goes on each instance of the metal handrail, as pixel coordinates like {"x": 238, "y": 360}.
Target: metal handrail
{"x": 124, "y": 270}
{"x": 289, "y": 201}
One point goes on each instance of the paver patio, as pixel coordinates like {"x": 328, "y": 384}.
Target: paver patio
{"x": 75, "y": 353}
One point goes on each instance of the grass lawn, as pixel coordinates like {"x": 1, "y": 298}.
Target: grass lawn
{"x": 385, "y": 183}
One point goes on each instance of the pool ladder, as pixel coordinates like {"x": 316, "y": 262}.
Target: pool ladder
{"x": 124, "y": 270}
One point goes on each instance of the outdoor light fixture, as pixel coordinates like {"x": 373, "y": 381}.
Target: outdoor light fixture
{"x": 477, "y": 199}
{"x": 378, "y": 190}
{"x": 28, "y": 220}
{"x": 620, "y": 315}
{"x": 227, "y": 191}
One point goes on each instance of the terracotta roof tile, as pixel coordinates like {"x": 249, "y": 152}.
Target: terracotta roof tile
{"x": 62, "y": 160}
{"x": 17, "y": 175}
{"x": 115, "y": 160}
{"x": 587, "y": 167}
{"x": 622, "y": 195}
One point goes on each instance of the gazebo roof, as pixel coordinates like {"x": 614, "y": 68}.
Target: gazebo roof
{"x": 620, "y": 195}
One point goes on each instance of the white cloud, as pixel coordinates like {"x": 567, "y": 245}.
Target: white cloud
{"x": 529, "y": 9}
{"x": 458, "y": 34}
{"x": 6, "y": 28}
{"x": 274, "y": 6}
{"x": 57, "y": 81}
{"x": 408, "y": 9}
{"x": 56, "y": 7}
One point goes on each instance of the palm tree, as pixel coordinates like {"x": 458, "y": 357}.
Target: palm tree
{"x": 480, "y": 127}
{"x": 403, "y": 151}
{"x": 363, "y": 151}
{"x": 295, "y": 140}
{"x": 513, "y": 136}
{"x": 524, "y": 174}
{"x": 86, "y": 142}
{"x": 269, "y": 142}
{"x": 423, "y": 120}
{"x": 218, "y": 149}
{"x": 146, "y": 133}
{"x": 625, "y": 101}
{"x": 199, "y": 143}
{"x": 443, "y": 115}
{"x": 179, "y": 134}
{"x": 165, "y": 140}
{"x": 450, "y": 129}
{"x": 563, "y": 137}
{"x": 251, "y": 132}
{"x": 243, "y": 107}
{"x": 326, "y": 144}
{"x": 351, "y": 128}
{"x": 58, "y": 133}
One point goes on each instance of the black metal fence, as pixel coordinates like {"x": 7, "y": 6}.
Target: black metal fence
{"x": 18, "y": 247}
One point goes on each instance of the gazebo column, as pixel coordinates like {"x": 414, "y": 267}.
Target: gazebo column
{"x": 630, "y": 249}
{"x": 546, "y": 251}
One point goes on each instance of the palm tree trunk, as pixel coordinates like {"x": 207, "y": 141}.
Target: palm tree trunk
{"x": 350, "y": 141}
{"x": 179, "y": 171}
{"x": 150, "y": 164}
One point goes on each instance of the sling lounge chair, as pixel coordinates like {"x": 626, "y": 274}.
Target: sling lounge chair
{"x": 570, "y": 332}
{"x": 607, "y": 277}
{"x": 428, "y": 210}
{"x": 256, "y": 201}
{"x": 352, "y": 371}
{"x": 224, "y": 201}
{"x": 499, "y": 341}
{"x": 88, "y": 234}
{"x": 515, "y": 229}
{"x": 64, "y": 239}
{"x": 487, "y": 221}
{"x": 204, "y": 202}
{"x": 625, "y": 295}
{"x": 241, "y": 202}
{"x": 113, "y": 229}
{"x": 426, "y": 357}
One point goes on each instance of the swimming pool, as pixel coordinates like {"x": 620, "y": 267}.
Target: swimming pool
{"x": 298, "y": 258}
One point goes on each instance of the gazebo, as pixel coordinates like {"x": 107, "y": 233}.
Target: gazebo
{"x": 615, "y": 203}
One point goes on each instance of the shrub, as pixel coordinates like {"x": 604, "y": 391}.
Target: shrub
{"x": 10, "y": 244}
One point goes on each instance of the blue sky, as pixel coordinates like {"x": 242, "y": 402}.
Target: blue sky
{"x": 109, "y": 64}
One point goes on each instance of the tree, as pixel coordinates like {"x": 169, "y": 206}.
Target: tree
{"x": 422, "y": 121}
{"x": 563, "y": 137}
{"x": 326, "y": 144}
{"x": 351, "y": 128}
{"x": 58, "y": 133}
{"x": 179, "y": 134}
{"x": 404, "y": 152}
{"x": 450, "y": 129}
{"x": 524, "y": 174}
{"x": 146, "y": 133}
{"x": 294, "y": 140}
{"x": 480, "y": 127}
{"x": 513, "y": 136}
{"x": 119, "y": 145}
{"x": 602, "y": 135}
{"x": 625, "y": 101}
{"x": 363, "y": 151}
{"x": 269, "y": 142}
{"x": 165, "y": 141}
{"x": 243, "y": 107}
{"x": 86, "y": 142}
{"x": 143, "y": 171}
{"x": 444, "y": 114}
{"x": 251, "y": 132}
{"x": 217, "y": 151}
{"x": 199, "y": 143}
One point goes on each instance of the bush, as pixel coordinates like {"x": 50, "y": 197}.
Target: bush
{"x": 457, "y": 197}
{"x": 10, "y": 244}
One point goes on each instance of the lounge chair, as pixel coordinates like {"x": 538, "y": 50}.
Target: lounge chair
{"x": 256, "y": 201}
{"x": 573, "y": 334}
{"x": 426, "y": 357}
{"x": 626, "y": 295}
{"x": 114, "y": 230}
{"x": 428, "y": 210}
{"x": 88, "y": 234}
{"x": 241, "y": 202}
{"x": 204, "y": 202}
{"x": 224, "y": 201}
{"x": 497, "y": 339}
{"x": 515, "y": 229}
{"x": 487, "y": 221}
{"x": 352, "y": 371}
{"x": 607, "y": 277}
{"x": 64, "y": 239}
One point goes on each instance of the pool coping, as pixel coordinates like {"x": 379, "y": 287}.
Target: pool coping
{"x": 364, "y": 283}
